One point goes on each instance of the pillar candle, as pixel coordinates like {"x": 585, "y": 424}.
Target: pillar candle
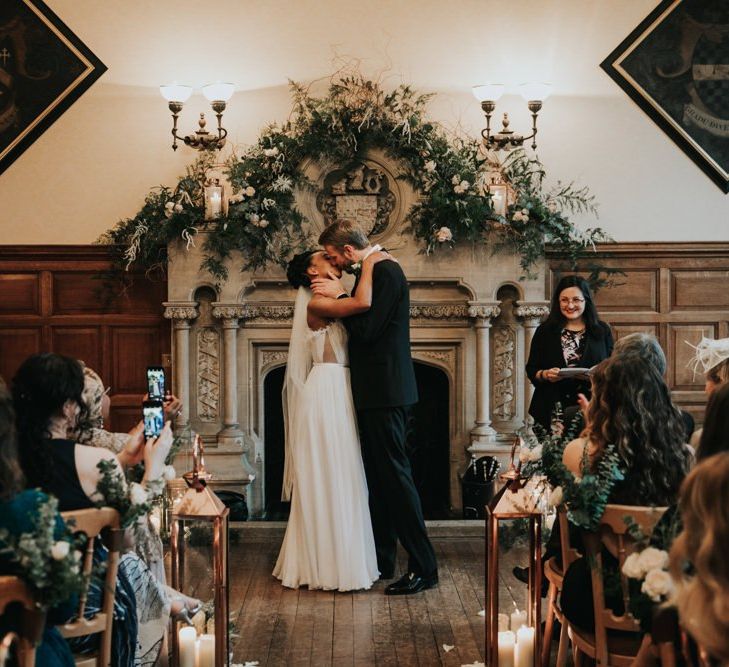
{"x": 506, "y": 649}
{"x": 518, "y": 618}
{"x": 206, "y": 651}
{"x": 524, "y": 654}
{"x": 186, "y": 642}
{"x": 503, "y": 622}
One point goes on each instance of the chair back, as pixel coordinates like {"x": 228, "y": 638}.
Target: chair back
{"x": 91, "y": 522}
{"x": 613, "y": 535}
{"x": 569, "y": 555}
{"x": 32, "y": 620}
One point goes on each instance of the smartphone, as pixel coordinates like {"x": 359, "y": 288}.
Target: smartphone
{"x": 154, "y": 417}
{"x": 156, "y": 382}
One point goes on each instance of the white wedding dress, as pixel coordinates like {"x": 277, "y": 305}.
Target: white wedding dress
{"x": 328, "y": 543}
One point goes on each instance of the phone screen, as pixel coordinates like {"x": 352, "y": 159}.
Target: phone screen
{"x": 154, "y": 418}
{"x": 156, "y": 382}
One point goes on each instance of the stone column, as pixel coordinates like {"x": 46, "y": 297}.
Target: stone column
{"x": 532, "y": 314}
{"x": 482, "y": 313}
{"x": 229, "y": 314}
{"x": 182, "y": 313}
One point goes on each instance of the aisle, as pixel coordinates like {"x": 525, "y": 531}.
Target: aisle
{"x": 277, "y": 626}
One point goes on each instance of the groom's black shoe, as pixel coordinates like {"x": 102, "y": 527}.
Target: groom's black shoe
{"x": 412, "y": 583}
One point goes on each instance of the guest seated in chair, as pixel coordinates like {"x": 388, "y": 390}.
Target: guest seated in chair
{"x": 47, "y": 392}
{"x": 698, "y": 559}
{"x": 18, "y": 511}
{"x": 631, "y": 408}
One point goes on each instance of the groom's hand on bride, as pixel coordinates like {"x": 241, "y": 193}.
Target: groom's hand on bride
{"x": 330, "y": 286}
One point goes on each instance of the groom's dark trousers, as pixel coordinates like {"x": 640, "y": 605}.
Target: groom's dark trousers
{"x": 383, "y": 388}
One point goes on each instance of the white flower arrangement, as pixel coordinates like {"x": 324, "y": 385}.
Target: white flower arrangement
{"x": 169, "y": 474}
{"x": 60, "y": 550}
{"x": 137, "y": 494}
{"x": 650, "y": 566}
{"x": 444, "y": 235}
{"x": 521, "y": 216}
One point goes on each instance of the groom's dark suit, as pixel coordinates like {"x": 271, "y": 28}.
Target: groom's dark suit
{"x": 383, "y": 388}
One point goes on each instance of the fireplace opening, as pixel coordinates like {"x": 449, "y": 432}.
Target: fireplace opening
{"x": 428, "y": 444}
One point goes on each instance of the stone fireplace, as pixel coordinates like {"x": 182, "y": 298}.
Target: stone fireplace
{"x": 471, "y": 319}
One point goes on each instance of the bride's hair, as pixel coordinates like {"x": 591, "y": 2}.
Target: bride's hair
{"x": 296, "y": 269}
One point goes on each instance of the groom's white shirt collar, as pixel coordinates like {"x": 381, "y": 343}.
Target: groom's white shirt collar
{"x": 372, "y": 249}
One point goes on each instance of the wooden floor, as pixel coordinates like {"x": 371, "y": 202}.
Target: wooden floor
{"x": 278, "y": 626}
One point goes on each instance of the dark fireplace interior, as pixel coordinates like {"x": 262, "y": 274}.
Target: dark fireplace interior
{"x": 429, "y": 443}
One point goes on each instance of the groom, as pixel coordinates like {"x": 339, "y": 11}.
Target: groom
{"x": 384, "y": 390}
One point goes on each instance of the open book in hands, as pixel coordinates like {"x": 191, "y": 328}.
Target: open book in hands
{"x": 575, "y": 373}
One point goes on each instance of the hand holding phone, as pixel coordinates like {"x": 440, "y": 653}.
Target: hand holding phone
{"x": 154, "y": 417}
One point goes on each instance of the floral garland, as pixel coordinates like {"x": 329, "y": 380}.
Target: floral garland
{"x": 48, "y": 558}
{"x": 450, "y": 174}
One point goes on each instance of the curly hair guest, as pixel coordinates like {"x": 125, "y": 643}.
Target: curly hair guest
{"x": 698, "y": 558}
{"x": 631, "y": 408}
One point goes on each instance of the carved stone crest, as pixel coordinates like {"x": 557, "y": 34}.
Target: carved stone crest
{"x": 361, "y": 193}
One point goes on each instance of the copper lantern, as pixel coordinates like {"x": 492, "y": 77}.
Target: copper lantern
{"x": 199, "y": 509}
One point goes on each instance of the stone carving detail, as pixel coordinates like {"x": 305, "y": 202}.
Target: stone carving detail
{"x": 273, "y": 358}
{"x": 446, "y": 358}
{"x": 275, "y": 313}
{"x": 504, "y": 393}
{"x": 361, "y": 193}
{"x": 231, "y": 312}
{"x": 530, "y": 311}
{"x": 187, "y": 312}
{"x": 483, "y": 312}
{"x": 439, "y": 312}
{"x": 208, "y": 374}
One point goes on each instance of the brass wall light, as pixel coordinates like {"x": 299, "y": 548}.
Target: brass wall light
{"x": 489, "y": 93}
{"x": 218, "y": 95}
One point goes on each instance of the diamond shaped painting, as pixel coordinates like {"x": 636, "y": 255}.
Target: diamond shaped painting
{"x": 44, "y": 69}
{"x": 675, "y": 66}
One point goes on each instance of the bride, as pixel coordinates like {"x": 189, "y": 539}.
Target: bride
{"x": 328, "y": 543}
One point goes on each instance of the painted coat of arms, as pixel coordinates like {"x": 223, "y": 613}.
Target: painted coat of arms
{"x": 675, "y": 66}
{"x": 44, "y": 69}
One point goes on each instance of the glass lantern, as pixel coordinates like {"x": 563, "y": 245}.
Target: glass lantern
{"x": 199, "y": 546}
{"x": 514, "y": 640}
{"x": 213, "y": 200}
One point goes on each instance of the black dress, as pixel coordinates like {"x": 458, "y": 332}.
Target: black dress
{"x": 547, "y": 352}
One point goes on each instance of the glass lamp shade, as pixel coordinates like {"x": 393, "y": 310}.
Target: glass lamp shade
{"x": 536, "y": 91}
{"x": 218, "y": 92}
{"x": 488, "y": 92}
{"x": 175, "y": 92}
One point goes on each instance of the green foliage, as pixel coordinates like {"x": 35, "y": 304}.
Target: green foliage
{"x": 50, "y": 569}
{"x": 132, "y": 500}
{"x": 357, "y": 115}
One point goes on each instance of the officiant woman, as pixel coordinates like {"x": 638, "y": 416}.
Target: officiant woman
{"x": 572, "y": 336}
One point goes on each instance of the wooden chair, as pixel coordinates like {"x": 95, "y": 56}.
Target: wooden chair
{"x": 32, "y": 620}
{"x": 618, "y": 650}
{"x": 91, "y": 522}
{"x": 555, "y": 575}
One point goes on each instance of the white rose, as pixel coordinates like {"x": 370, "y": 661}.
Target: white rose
{"x": 60, "y": 550}
{"x": 456, "y": 180}
{"x": 657, "y": 584}
{"x": 525, "y": 212}
{"x": 632, "y": 567}
{"x": 236, "y": 199}
{"x": 555, "y": 498}
{"x": 653, "y": 559}
{"x": 430, "y": 166}
{"x": 178, "y": 208}
{"x": 250, "y": 191}
{"x": 77, "y": 555}
{"x": 263, "y": 223}
{"x": 536, "y": 453}
{"x": 465, "y": 185}
{"x": 443, "y": 235}
{"x": 169, "y": 473}
{"x": 254, "y": 218}
{"x": 137, "y": 494}
{"x": 169, "y": 205}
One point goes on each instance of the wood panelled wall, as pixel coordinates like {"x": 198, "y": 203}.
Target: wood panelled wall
{"x": 52, "y": 300}
{"x": 678, "y": 292}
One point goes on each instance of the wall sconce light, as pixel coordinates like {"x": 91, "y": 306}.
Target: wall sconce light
{"x": 218, "y": 95}
{"x": 488, "y": 94}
